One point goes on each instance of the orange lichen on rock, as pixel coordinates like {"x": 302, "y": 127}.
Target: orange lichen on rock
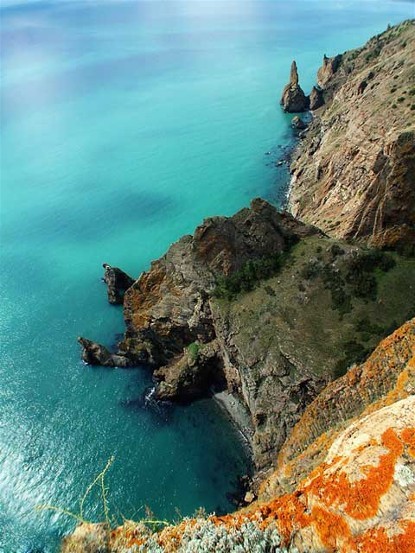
{"x": 344, "y": 498}
{"x": 360, "y": 498}
{"x": 379, "y": 540}
{"x": 386, "y": 377}
{"x": 346, "y": 505}
{"x": 408, "y": 436}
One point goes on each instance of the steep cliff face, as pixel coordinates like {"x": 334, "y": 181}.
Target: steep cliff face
{"x": 353, "y": 175}
{"x": 360, "y": 499}
{"x": 265, "y": 307}
{"x": 386, "y": 377}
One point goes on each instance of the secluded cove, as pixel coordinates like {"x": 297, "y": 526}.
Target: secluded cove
{"x": 123, "y": 126}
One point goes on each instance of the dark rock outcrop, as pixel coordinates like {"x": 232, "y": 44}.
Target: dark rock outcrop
{"x": 316, "y": 98}
{"x": 193, "y": 375}
{"x": 117, "y": 283}
{"x": 96, "y": 354}
{"x": 298, "y": 124}
{"x": 293, "y": 99}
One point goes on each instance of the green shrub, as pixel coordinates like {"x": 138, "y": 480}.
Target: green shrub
{"x": 193, "y": 350}
{"x": 360, "y": 276}
{"x": 245, "y": 280}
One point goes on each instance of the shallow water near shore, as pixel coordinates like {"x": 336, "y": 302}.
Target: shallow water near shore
{"x": 124, "y": 124}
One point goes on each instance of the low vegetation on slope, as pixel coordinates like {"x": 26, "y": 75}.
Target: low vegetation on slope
{"x": 360, "y": 499}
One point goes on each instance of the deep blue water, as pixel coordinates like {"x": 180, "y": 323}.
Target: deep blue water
{"x": 123, "y": 125}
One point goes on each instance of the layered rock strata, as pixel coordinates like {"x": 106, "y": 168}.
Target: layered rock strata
{"x": 353, "y": 175}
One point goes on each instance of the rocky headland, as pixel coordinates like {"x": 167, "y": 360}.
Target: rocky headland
{"x": 306, "y": 322}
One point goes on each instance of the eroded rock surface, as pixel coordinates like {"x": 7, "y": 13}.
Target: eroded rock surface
{"x": 117, "y": 282}
{"x": 361, "y": 499}
{"x": 293, "y": 99}
{"x": 353, "y": 175}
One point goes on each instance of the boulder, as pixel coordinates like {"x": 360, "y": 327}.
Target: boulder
{"x": 298, "y": 124}
{"x": 117, "y": 283}
{"x": 293, "y": 99}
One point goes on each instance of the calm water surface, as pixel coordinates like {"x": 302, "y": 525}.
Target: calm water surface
{"x": 123, "y": 125}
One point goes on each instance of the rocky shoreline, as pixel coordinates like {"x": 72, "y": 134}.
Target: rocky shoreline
{"x": 277, "y": 316}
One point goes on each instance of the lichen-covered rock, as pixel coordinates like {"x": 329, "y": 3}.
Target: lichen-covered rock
{"x": 353, "y": 175}
{"x": 293, "y": 99}
{"x": 386, "y": 377}
{"x": 361, "y": 499}
{"x": 117, "y": 283}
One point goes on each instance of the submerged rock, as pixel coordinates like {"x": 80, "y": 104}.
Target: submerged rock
{"x": 293, "y": 99}
{"x": 96, "y": 354}
{"x": 117, "y": 283}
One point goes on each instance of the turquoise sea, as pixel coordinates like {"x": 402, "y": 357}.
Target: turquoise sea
{"x": 123, "y": 125}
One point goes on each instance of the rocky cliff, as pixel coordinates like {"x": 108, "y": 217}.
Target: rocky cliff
{"x": 293, "y": 98}
{"x": 360, "y": 497}
{"x": 288, "y": 318}
{"x": 262, "y": 306}
{"x": 353, "y": 175}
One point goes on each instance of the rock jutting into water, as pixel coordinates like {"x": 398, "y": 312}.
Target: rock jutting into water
{"x": 96, "y": 354}
{"x": 117, "y": 283}
{"x": 291, "y": 321}
{"x": 293, "y": 99}
{"x": 355, "y": 493}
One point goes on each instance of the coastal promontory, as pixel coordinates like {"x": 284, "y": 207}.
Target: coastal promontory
{"x": 306, "y": 320}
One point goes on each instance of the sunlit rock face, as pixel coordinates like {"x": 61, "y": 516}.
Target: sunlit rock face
{"x": 293, "y": 99}
{"x": 353, "y": 174}
{"x": 360, "y": 498}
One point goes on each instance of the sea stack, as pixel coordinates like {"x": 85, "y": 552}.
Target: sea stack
{"x": 293, "y": 99}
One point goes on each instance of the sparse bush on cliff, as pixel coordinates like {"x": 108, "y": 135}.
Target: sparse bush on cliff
{"x": 245, "y": 280}
{"x": 204, "y": 536}
{"x": 193, "y": 351}
{"x": 360, "y": 275}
